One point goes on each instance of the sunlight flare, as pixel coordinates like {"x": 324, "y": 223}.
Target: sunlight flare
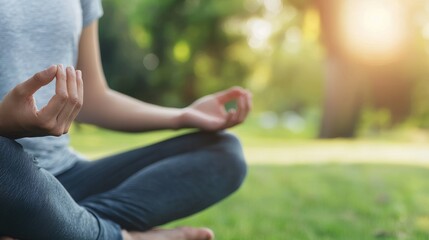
{"x": 373, "y": 31}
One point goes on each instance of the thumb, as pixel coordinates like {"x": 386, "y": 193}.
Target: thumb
{"x": 38, "y": 80}
{"x": 229, "y": 94}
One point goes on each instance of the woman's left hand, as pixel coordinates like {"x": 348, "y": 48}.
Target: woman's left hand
{"x": 208, "y": 113}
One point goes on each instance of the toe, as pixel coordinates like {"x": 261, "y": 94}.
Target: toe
{"x": 198, "y": 233}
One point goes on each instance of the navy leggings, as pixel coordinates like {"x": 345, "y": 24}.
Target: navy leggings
{"x": 135, "y": 190}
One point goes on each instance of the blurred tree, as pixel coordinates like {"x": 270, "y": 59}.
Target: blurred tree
{"x": 282, "y": 52}
{"x": 360, "y": 68}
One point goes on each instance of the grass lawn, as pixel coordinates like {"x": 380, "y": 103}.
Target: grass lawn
{"x": 319, "y": 200}
{"x": 324, "y": 202}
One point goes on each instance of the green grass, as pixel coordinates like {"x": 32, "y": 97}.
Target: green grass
{"x": 324, "y": 202}
{"x": 313, "y": 201}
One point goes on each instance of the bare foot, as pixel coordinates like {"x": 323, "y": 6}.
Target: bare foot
{"x": 182, "y": 233}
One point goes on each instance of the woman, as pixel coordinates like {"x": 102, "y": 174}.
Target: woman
{"x": 49, "y": 192}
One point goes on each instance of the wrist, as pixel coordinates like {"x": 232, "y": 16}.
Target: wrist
{"x": 180, "y": 119}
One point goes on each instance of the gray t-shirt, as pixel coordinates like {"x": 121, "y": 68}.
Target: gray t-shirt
{"x": 33, "y": 36}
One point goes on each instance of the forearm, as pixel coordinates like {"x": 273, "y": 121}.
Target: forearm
{"x": 116, "y": 111}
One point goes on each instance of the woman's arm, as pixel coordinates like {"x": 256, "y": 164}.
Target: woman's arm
{"x": 113, "y": 110}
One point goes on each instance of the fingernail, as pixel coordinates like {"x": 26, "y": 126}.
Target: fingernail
{"x": 51, "y": 68}
{"x": 69, "y": 69}
{"x": 60, "y": 66}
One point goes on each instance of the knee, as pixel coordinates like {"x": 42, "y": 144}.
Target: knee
{"x": 10, "y": 152}
{"x": 230, "y": 160}
{"x": 7, "y": 145}
{"x": 15, "y": 167}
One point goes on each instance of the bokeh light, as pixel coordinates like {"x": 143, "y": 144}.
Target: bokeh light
{"x": 374, "y": 32}
{"x": 151, "y": 61}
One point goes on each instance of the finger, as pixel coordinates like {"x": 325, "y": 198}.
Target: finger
{"x": 57, "y": 102}
{"x": 249, "y": 101}
{"x": 235, "y": 117}
{"x": 79, "y": 82}
{"x": 66, "y": 114}
{"x": 248, "y": 105}
{"x": 78, "y": 105}
{"x": 230, "y": 118}
{"x": 228, "y": 95}
{"x": 242, "y": 106}
{"x": 37, "y": 81}
{"x": 240, "y": 110}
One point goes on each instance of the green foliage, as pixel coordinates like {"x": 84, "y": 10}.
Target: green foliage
{"x": 185, "y": 41}
{"x": 184, "y": 33}
{"x": 375, "y": 121}
{"x": 171, "y": 52}
{"x": 122, "y": 58}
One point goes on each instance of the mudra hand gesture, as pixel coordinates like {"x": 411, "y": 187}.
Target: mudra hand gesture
{"x": 208, "y": 113}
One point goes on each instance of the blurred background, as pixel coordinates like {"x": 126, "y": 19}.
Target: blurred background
{"x": 335, "y": 68}
{"x": 338, "y": 139}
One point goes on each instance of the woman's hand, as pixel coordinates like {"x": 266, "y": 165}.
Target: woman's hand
{"x": 19, "y": 116}
{"x": 208, "y": 113}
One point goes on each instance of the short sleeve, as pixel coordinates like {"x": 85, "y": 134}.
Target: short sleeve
{"x": 91, "y": 11}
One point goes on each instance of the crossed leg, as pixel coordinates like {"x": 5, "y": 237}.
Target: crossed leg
{"x": 34, "y": 205}
{"x": 133, "y": 191}
{"x": 147, "y": 187}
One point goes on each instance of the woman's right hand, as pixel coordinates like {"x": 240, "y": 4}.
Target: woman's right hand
{"x": 19, "y": 116}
